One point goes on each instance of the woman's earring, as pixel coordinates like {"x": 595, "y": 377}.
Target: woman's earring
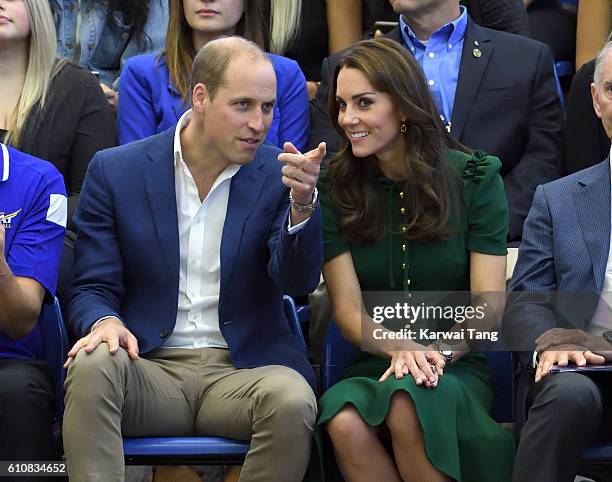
{"x": 403, "y": 127}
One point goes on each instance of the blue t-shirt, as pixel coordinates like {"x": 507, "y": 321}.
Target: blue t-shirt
{"x": 33, "y": 211}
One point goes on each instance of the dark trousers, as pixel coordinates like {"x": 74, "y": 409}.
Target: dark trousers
{"x": 26, "y": 404}
{"x": 567, "y": 412}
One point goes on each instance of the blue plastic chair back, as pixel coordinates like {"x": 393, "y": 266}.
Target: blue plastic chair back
{"x": 293, "y": 317}
{"x": 337, "y": 356}
{"x": 55, "y": 347}
{"x": 501, "y": 366}
{"x": 559, "y": 89}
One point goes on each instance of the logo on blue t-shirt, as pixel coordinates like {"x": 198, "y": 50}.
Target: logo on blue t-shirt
{"x": 6, "y": 219}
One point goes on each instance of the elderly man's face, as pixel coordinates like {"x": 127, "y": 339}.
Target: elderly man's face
{"x": 239, "y": 117}
{"x": 602, "y": 95}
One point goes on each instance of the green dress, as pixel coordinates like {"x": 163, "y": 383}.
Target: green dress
{"x": 461, "y": 438}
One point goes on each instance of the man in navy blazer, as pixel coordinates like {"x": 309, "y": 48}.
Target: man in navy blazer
{"x": 187, "y": 242}
{"x": 505, "y": 100}
{"x": 558, "y": 312}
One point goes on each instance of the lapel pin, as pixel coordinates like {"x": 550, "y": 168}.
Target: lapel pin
{"x": 477, "y": 53}
{"x": 476, "y": 43}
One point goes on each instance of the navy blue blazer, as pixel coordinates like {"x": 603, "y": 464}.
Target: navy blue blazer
{"x": 506, "y": 104}
{"x": 562, "y": 260}
{"x": 127, "y": 253}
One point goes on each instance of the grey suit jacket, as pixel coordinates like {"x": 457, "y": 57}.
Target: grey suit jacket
{"x": 562, "y": 259}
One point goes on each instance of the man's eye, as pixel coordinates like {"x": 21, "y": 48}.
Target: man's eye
{"x": 267, "y": 108}
{"x": 242, "y": 105}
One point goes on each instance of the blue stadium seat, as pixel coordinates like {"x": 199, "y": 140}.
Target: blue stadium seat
{"x": 199, "y": 450}
{"x": 337, "y": 356}
{"x": 55, "y": 347}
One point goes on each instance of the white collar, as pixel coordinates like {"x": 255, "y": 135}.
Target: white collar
{"x": 5, "y": 163}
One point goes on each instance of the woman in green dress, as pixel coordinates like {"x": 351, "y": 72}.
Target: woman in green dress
{"x": 407, "y": 208}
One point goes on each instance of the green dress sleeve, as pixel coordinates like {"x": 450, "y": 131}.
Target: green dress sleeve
{"x": 486, "y": 204}
{"x": 333, "y": 243}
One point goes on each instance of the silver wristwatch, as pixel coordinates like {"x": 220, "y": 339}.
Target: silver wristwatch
{"x": 446, "y": 351}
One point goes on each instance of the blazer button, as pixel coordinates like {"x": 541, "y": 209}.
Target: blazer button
{"x": 163, "y": 333}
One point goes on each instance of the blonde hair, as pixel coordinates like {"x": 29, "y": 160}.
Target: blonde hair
{"x": 285, "y": 16}
{"x": 41, "y": 67}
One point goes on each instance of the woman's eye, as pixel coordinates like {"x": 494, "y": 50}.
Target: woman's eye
{"x": 341, "y": 104}
{"x": 365, "y": 102}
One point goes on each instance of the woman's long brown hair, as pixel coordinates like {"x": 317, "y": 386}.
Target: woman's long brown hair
{"x": 180, "y": 51}
{"x": 431, "y": 185}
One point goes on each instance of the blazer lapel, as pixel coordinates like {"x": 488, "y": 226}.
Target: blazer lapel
{"x": 592, "y": 203}
{"x": 477, "y": 51}
{"x": 158, "y": 174}
{"x": 245, "y": 188}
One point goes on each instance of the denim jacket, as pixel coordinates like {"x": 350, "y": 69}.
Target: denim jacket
{"x": 105, "y": 46}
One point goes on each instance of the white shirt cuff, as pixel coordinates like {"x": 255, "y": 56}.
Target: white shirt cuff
{"x": 93, "y": 327}
{"x": 534, "y": 360}
{"x": 297, "y": 228}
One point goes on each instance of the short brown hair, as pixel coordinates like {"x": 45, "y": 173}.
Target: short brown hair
{"x": 211, "y": 62}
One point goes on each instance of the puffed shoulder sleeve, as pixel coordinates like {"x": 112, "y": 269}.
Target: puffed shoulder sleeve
{"x": 333, "y": 243}
{"x": 486, "y": 204}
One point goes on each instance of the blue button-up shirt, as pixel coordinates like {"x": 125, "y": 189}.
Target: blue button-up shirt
{"x": 440, "y": 59}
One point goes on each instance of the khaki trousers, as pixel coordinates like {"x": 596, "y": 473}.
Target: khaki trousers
{"x": 184, "y": 392}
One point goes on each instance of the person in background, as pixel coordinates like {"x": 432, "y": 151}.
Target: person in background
{"x": 592, "y": 28}
{"x": 391, "y": 222}
{"x": 154, "y": 89}
{"x": 554, "y": 23}
{"x": 474, "y": 74}
{"x": 32, "y": 222}
{"x": 559, "y": 313}
{"x": 101, "y": 35}
{"x": 49, "y": 108}
{"x": 586, "y": 141}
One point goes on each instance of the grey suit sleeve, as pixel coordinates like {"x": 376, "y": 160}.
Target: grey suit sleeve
{"x": 530, "y": 306}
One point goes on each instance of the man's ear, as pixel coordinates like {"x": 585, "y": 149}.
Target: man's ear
{"x": 595, "y": 96}
{"x": 199, "y": 98}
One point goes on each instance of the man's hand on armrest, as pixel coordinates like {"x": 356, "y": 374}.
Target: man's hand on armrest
{"x": 108, "y": 330}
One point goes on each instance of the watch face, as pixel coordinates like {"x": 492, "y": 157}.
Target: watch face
{"x": 446, "y": 352}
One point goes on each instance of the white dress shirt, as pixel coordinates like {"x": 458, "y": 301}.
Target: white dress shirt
{"x": 200, "y": 225}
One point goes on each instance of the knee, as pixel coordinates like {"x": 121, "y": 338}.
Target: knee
{"x": 401, "y": 418}
{"x": 347, "y": 425}
{"x": 290, "y": 400}
{"x": 95, "y": 368}
{"x": 572, "y": 396}
{"x": 20, "y": 395}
